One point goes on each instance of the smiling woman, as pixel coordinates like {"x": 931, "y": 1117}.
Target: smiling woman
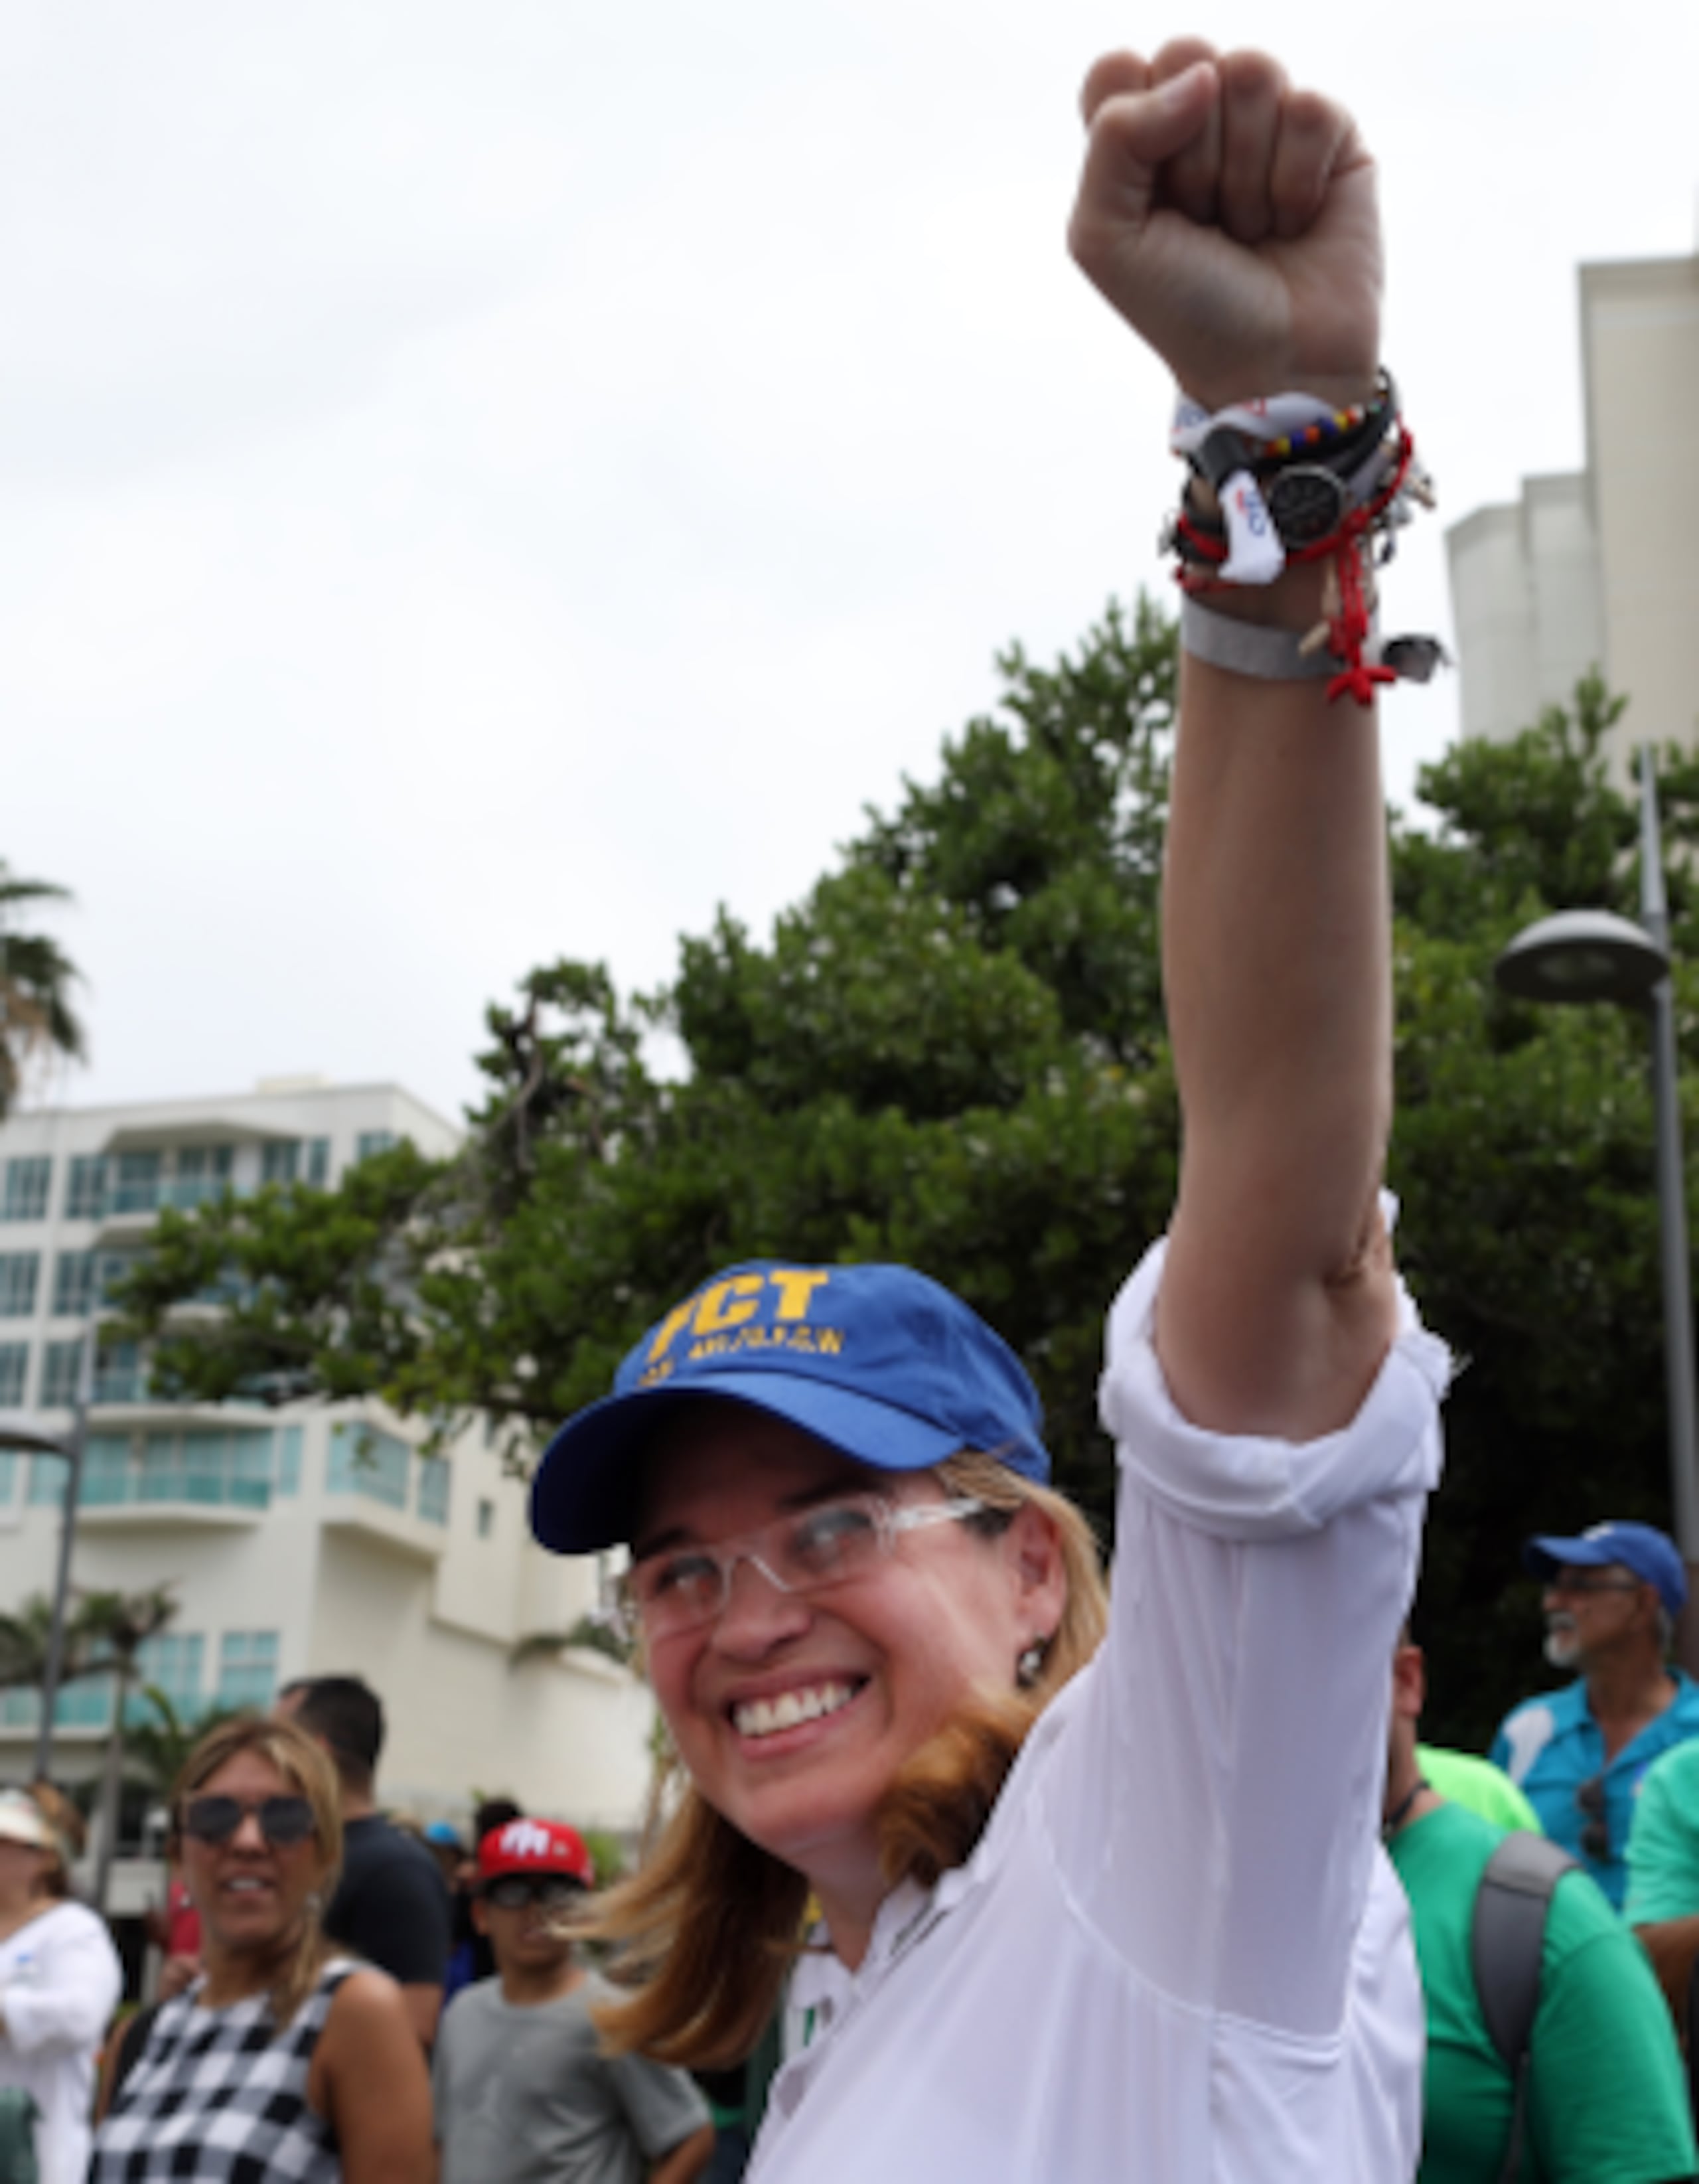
{"x": 281, "y": 2060}
{"x": 1097, "y": 1896}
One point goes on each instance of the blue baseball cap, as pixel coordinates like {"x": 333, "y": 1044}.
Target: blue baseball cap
{"x": 1651, "y": 1555}
{"x": 878, "y": 1361}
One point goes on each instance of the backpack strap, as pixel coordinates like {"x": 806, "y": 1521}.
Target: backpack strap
{"x": 1507, "y": 1941}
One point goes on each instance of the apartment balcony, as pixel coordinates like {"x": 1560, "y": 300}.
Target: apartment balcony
{"x": 153, "y": 1498}
{"x": 381, "y": 1490}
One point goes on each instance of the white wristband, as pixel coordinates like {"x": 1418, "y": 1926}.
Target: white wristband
{"x": 1248, "y": 648}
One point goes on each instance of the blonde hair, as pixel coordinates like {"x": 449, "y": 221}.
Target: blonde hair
{"x": 70, "y": 1833}
{"x": 301, "y": 1761}
{"x": 709, "y": 1924}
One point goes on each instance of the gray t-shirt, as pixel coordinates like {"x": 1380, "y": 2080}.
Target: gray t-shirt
{"x": 524, "y": 2095}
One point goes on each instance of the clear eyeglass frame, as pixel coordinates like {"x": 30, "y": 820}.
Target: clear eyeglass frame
{"x": 684, "y": 1588}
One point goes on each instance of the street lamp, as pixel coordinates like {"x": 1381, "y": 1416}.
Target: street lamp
{"x": 1593, "y": 956}
{"x": 20, "y": 1434}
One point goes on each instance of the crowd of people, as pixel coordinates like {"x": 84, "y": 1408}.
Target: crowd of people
{"x": 976, "y": 1866}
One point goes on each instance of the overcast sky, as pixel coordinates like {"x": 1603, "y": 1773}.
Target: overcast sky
{"x": 483, "y": 483}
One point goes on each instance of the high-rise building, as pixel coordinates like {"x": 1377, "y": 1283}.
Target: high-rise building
{"x": 1599, "y": 567}
{"x": 299, "y": 1540}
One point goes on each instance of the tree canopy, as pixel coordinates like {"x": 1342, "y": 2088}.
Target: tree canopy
{"x": 952, "y": 1052}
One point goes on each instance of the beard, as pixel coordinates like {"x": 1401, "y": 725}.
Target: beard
{"x": 1562, "y": 1646}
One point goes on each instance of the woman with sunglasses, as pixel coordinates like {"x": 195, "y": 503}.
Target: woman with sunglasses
{"x": 1087, "y": 1909}
{"x": 59, "y": 1978}
{"x": 281, "y": 2061}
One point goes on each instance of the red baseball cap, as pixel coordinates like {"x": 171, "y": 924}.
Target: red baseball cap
{"x": 524, "y": 1846}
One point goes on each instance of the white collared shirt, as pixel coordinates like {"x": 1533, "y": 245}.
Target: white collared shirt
{"x": 1177, "y": 1954}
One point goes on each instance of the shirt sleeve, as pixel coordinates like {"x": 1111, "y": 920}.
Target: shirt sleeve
{"x": 68, "y": 2001}
{"x": 1607, "y": 2097}
{"x": 1214, "y": 1800}
{"x": 662, "y": 2105}
{"x": 1664, "y": 1845}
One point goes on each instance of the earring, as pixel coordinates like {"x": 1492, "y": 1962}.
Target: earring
{"x": 1030, "y": 1665}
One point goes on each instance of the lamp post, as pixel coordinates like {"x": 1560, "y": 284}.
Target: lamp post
{"x": 67, "y": 1448}
{"x": 1593, "y": 956}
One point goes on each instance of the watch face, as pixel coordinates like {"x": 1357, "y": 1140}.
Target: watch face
{"x": 1306, "y": 502}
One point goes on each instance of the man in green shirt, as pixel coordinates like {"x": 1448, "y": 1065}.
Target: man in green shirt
{"x": 1607, "y": 2102}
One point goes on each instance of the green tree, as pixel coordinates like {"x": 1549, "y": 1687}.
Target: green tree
{"x": 952, "y": 1052}
{"x": 36, "y": 1019}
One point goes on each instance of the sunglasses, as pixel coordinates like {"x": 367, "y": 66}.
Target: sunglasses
{"x": 518, "y": 1892}
{"x": 1595, "y": 1834}
{"x": 284, "y": 1821}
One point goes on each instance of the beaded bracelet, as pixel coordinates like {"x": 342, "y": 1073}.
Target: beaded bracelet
{"x": 1297, "y": 480}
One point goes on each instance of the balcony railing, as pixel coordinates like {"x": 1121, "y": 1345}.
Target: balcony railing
{"x": 114, "y": 1490}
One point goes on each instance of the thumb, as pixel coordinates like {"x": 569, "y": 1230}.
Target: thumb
{"x": 1132, "y": 133}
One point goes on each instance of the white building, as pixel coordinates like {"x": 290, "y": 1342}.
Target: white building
{"x": 301, "y": 1540}
{"x": 1599, "y": 567}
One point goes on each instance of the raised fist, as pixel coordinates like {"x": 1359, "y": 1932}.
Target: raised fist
{"x": 1232, "y": 222}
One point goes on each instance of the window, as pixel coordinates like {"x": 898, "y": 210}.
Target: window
{"x": 85, "y": 1195}
{"x": 8, "y": 1473}
{"x": 85, "y": 1704}
{"x": 118, "y": 1377}
{"x": 247, "y": 1669}
{"x": 106, "y": 1471}
{"x": 27, "y": 1182}
{"x": 485, "y": 1519}
{"x": 371, "y": 1142}
{"x": 136, "y": 1189}
{"x": 172, "y": 1662}
{"x": 110, "y": 1268}
{"x": 281, "y": 1162}
{"x": 225, "y": 1468}
{"x": 15, "y": 1371}
{"x": 287, "y": 1479}
{"x": 318, "y": 1161}
{"x": 47, "y": 1481}
{"x": 74, "y": 1284}
{"x": 203, "y": 1172}
{"x": 364, "y": 1461}
{"x": 20, "y": 1272}
{"x": 61, "y": 1363}
{"x": 433, "y": 1489}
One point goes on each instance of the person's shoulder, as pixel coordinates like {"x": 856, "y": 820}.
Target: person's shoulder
{"x": 1675, "y": 1773}
{"x": 1566, "y": 1704}
{"x": 362, "y": 1997}
{"x": 1449, "y": 1840}
{"x": 382, "y": 1848}
{"x": 70, "y": 1921}
{"x": 1464, "y": 1778}
{"x": 1682, "y": 1719}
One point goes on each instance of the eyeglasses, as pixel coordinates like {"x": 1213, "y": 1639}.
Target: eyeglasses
{"x": 1596, "y": 1582}
{"x": 1595, "y": 1834}
{"x": 680, "y": 1588}
{"x": 518, "y": 1892}
{"x": 284, "y": 1821}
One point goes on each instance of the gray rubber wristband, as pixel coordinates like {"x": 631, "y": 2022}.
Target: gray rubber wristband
{"x": 1245, "y": 648}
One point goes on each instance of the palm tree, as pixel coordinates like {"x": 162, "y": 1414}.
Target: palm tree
{"x": 158, "y": 1747}
{"x": 36, "y": 976}
{"x": 114, "y": 1627}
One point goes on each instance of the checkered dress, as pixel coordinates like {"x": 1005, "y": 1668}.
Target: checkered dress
{"x": 220, "y": 2097}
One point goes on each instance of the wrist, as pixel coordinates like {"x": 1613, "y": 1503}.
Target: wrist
{"x": 1342, "y": 389}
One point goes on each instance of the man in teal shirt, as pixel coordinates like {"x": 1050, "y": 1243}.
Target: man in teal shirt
{"x": 1662, "y": 1903}
{"x": 1612, "y": 1597}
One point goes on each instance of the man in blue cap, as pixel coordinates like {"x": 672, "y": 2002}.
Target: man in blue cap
{"x": 1611, "y": 1598}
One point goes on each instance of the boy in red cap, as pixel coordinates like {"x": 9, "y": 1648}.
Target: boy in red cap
{"x": 523, "y": 2094}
